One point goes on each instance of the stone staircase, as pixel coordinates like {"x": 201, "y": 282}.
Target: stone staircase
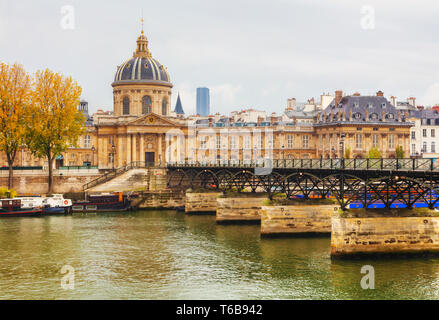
{"x": 133, "y": 177}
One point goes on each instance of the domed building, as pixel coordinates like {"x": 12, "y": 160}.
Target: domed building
{"x": 141, "y": 84}
{"x": 142, "y": 118}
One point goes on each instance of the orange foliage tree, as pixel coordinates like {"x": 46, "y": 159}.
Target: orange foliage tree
{"x": 56, "y": 122}
{"x": 15, "y": 94}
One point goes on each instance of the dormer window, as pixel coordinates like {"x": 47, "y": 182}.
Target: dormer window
{"x": 370, "y": 105}
{"x": 357, "y": 115}
{"x": 374, "y": 116}
{"x": 356, "y": 105}
{"x": 383, "y": 105}
{"x": 390, "y": 116}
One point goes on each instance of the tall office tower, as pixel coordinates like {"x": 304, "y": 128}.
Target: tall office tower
{"x": 203, "y": 102}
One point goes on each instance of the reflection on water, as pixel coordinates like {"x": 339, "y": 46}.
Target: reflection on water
{"x": 168, "y": 255}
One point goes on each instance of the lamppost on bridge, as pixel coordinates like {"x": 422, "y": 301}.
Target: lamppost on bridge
{"x": 342, "y": 136}
{"x": 113, "y": 152}
{"x": 93, "y": 155}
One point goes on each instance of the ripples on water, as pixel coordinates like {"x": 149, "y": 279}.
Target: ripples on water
{"x": 169, "y": 255}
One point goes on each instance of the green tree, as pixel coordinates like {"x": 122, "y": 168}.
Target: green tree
{"x": 373, "y": 153}
{"x": 15, "y": 94}
{"x": 56, "y": 122}
{"x": 399, "y": 152}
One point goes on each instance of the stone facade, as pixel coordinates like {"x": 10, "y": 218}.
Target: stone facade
{"x": 296, "y": 219}
{"x": 384, "y": 235}
{"x": 201, "y": 202}
{"x": 245, "y": 209}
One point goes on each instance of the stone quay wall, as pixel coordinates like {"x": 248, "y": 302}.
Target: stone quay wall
{"x": 201, "y": 202}
{"x": 36, "y": 182}
{"x": 245, "y": 209}
{"x": 297, "y": 219}
{"x": 384, "y": 235}
{"x": 165, "y": 199}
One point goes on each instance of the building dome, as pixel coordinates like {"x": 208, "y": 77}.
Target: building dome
{"x": 142, "y": 67}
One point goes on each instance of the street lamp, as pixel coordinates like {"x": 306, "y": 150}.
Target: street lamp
{"x": 93, "y": 155}
{"x": 113, "y": 152}
{"x": 342, "y": 136}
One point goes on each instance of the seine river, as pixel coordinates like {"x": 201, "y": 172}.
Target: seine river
{"x": 169, "y": 255}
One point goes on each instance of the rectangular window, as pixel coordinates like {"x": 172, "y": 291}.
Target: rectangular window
{"x": 111, "y": 140}
{"x": 424, "y": 146}
{"x": 258, "y": 143}
{"x": 432, "y": 133}
{"x": 218, "y": 142}
{"x": 305, "y": 142}
{"x": 433, "y": 147}
{"x": 290, "y": 141}
{"x": 375, "y": 141}
{"x": 87, "y": 141}
{"x": 203, "y": 142}
{"x": 359, "y": 141}
{"x": 233, "y": 142}
{"x": 413, "y": 148}
{"x": 247, "y": 142}
{"x": 391, "y": 141}
{"x": 424, "y": 132}
{"x": 413, "y": 135}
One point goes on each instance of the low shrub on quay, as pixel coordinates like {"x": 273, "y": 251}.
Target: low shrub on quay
{"x": 7, "y": 193}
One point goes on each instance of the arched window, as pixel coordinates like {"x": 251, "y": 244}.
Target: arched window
{"x": 126, "y": 105}
{"x": 146, "y": 105}
{"x": 164, "y": 107}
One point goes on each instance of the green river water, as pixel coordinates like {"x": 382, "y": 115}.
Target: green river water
{"x": 170, "y": 255}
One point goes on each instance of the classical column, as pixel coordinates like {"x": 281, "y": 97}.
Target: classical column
{"x": 142, "y": 147}
{"x": 134, "y": 143}
{"x": 105, "y": 152}
{"x": 119, "y": 152}
{"x": 100, "y": 151}
{"x": 159, "y": 148}
{"x": 128, "y": 146}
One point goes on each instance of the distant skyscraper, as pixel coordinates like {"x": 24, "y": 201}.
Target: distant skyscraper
{"x": 203, "y": 101}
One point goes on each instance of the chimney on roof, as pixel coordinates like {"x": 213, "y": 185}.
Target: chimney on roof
{"x": 393, "y": 100}
{"x": 380, "y": 94}
{"x": 420, "y": 107}
{"x": 356, "y": 94}
{"x": 338, "y": 96}
{"x": 412, "y": 101}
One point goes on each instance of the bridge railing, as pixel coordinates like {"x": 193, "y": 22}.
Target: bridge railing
{"x": 430, "y": 164}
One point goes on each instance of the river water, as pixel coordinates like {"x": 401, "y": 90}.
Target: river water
{"x": 170, "y": 255}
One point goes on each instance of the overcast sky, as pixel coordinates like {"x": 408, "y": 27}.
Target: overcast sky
{"x": 250, "y": 53}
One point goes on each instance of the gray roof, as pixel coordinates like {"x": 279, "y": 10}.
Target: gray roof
{"x": 377, "y": 109}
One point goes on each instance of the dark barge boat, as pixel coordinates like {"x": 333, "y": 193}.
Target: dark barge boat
{"x": 103, "y": 203}
{"x": 12, "y": 208}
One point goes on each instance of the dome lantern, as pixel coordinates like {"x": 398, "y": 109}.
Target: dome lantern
{"x": 142, "y": 50}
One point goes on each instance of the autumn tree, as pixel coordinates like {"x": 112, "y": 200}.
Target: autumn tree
{"x": 56, "y": 122}
{"x": 15, "y": 93}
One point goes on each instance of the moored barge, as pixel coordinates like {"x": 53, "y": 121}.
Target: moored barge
{"x": 13, "y": 208}
{"x": 103, "y": 203}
